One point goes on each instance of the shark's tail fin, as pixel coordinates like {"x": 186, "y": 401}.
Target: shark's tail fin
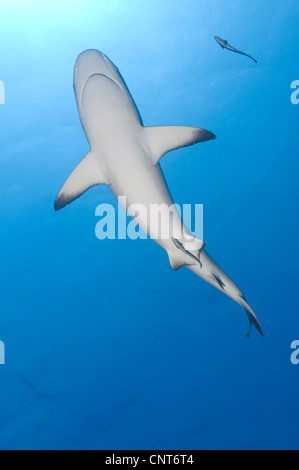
{"x": 251, "y": 316}
{"x": 208, "y": 270}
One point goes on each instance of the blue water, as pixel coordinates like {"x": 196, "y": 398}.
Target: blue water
{"x": 106, "y": 346}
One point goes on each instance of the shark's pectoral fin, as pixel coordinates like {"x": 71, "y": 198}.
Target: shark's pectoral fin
{"x": 162, "y": 139}
{"x": 84, "y": 176}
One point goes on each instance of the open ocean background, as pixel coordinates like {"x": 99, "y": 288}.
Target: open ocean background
{"x": 106, "y": 346}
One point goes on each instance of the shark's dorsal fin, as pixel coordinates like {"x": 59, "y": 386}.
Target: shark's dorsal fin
{"x": 84, "y": 176}
{"x": 162, "y": 139}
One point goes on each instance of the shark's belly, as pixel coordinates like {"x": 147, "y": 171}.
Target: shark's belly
{"x": 141, "y": 189}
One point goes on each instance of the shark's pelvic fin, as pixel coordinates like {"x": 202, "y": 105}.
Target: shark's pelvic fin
{"x": 162, "y": 139}
{"x": 85, "y": 175}
{"x": 185, "y": 254}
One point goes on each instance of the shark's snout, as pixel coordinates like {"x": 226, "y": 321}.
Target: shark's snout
{"x": 89, "y": 63}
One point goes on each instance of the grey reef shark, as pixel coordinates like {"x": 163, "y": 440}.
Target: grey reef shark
{"x": 124, "y": 154}
{"x": 224, "y": 44}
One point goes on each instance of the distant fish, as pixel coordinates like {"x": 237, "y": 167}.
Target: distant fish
{"x": 224, "y": 44}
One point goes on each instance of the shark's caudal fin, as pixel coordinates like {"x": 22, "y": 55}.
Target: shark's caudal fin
{"x": 162, "y": 139}
{"x": 251, "y": 317}
{"x": 84, "y": 176}
{"x": 208, "y": 270}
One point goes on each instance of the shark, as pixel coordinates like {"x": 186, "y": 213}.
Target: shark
{"x": 224, "y": 44}
{"x": 125, "y": 155}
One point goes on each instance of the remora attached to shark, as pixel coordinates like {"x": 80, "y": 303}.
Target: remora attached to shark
{"x": 125, "y": 155}
{"x": 224, "y": 44}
